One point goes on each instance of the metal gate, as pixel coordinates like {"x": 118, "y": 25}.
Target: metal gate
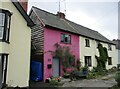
{"x": 55, "y": 67}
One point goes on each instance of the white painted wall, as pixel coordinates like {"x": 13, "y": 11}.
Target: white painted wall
{"x": 92, "y": 51}
{"x": 118, "y": 56}
{"x": 18, "y": 49}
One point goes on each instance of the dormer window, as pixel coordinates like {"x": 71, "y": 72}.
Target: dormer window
{"x": 5, "y": 16}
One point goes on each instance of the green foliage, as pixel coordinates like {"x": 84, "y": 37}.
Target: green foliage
{"x": 102, "y": 59}
{"x": 58, "y": 52}
{"x": 65, "y": 56}
{"x": 53, "y": 82}
{"x": 112, "y": 70}
{"x": 78, "y": 64}
{"x": 96, "y": 72}
{"x": 92, "y": 75}
{"x": 117, "y": 78}
{"x": 66, "y": 75}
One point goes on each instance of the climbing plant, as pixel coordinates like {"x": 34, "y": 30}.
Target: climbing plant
{"x": 65, "y": 55}
{"x": 103, "y": 56}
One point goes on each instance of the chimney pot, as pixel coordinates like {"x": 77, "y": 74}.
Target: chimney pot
{"x": 61, "y": 15}
{"x": 24, "y": 4}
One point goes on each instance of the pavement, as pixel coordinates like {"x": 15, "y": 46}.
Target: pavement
{"x": 104, "y": 82}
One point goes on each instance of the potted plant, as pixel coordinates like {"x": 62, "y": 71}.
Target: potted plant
{"x": 85, "y": 70}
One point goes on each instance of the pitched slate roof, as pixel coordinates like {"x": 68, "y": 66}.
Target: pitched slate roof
{"x": 23, "y": 13}
{"x": 53, "y": 20}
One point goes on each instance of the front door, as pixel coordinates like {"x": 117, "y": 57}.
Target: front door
{"x": 55, "y": 67}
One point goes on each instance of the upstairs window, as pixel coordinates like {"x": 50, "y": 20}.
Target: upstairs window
{"x": 110, "y": 61}
{"x": 65, "y": 38}
{"x": 5, "y": 16}
{"x": 109, "y": 47}
{"x": 87, "y": 42}
{"x": 2, "y": 21}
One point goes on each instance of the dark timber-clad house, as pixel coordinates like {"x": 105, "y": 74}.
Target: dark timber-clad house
{"x": 55, "y": 28}
{"x": 15, "y": 44}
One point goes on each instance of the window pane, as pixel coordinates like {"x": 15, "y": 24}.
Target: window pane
{"x": 87, "y": 43}
{"x": 7, "y": 34}
{"x": 110, "y": 61}
{"x": 2, "y": 19}
{"x": 69, "y": 39}
{"x": 0, "y": 58}
{"x": 88, "y": 61}
{"x": 8, "y": 21}
{"x": 1, "y": 32}
{"x": 4, "y": 67}
{"x": 66, "y": 35}
{"x": 65, "y": 38}
{"x": 109, "y": 47}
{"x": 62, "y": 38}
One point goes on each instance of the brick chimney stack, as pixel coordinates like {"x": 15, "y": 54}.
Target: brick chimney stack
{"x": 24, "y": 4}
{"x": 61, "y": 15}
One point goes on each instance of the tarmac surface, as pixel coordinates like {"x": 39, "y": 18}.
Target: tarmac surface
{"x": 104, "y": 82}
{"x": 101, "y": 83}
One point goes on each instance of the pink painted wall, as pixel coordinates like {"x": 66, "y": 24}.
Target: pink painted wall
{"x": 50, "y": 38}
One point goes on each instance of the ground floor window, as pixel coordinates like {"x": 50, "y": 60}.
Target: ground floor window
{"x": 3, "y": 69}
{"x": 110, "y": 61}
{"x": 88, "y": 61}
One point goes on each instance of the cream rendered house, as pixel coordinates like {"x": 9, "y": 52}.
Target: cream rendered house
{"x": 88, "y": 49}
{"x": 117, "y": 42}
{"x": 15, "y": 44}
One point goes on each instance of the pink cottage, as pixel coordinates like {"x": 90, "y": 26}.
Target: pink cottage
{"x": 49, "y": 30}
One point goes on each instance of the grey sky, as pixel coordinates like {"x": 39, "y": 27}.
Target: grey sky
{"x": 98, "y": 15}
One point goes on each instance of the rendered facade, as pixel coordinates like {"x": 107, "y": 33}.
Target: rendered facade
{"x": 15, "y": 44}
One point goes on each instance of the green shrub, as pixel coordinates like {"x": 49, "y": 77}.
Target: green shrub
{"x": 112, "y": 70}
{"x": 53, "y": 82}
{"x": 66, "y": 75}
{"x": 92, "y": 75}
{"x": 117, "y": 78}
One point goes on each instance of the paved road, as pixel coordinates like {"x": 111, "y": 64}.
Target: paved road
{"x": 106, "y": 81}
{"x": 101, "y": 83}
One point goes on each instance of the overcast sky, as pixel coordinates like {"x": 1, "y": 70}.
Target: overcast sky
{"x": 99, "y": 15}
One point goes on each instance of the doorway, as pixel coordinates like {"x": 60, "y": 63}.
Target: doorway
{"x": 55, "y": 67}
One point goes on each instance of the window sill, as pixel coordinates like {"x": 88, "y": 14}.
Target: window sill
{"x": 87, "y": 46}
{"x": 4, "y": 41}
{"x": 65, "y": 43}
